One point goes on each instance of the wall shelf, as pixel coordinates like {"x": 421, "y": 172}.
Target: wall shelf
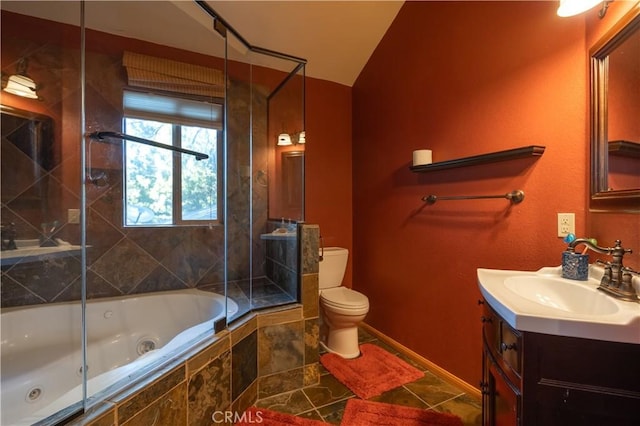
{"x": 624, "y": 148}
{"x": 492, "y": 157}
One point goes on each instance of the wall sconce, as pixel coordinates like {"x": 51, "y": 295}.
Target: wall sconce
{"x": 575, "y": 7}
{"x": 21, "y": 85}
{"x": 284, "y": 139}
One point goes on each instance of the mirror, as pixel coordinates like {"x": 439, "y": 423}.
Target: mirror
{"x": 615, "y": 108}
{"x": 292, "y": 176}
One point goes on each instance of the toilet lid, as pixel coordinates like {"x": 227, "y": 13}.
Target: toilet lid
{"x": 343, "y": 297}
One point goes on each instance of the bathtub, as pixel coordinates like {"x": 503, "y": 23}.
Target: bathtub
{"x": 41, "y": 352}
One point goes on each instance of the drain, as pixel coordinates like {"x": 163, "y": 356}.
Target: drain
{"x": 34, "y": 394}
{"x": 145, "y": 346}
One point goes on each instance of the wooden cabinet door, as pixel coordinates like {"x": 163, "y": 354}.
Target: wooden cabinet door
{"x": 502, "y": 399}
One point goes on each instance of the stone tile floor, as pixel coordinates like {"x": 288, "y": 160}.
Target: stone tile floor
{"x": 326, "y": 401}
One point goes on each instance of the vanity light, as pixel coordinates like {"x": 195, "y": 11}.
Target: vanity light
{"x": 575, "y": 7}
{"x": 21, "y": 85}
{"x": 302, "y": 137}
{"x": 284, "y": 139}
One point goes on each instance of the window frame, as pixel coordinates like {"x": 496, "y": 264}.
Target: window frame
{"x": 176, "y": 140}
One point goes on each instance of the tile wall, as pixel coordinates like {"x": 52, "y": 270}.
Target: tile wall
{"x": 265, "y": 353}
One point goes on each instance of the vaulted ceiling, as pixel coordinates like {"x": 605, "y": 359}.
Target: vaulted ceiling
{"x": 335, "y": 37}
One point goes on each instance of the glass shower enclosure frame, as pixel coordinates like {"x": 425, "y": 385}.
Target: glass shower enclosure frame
{"x": 67, "y": 208}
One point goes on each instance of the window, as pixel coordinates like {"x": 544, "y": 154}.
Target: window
{"x": 164, "y": 188}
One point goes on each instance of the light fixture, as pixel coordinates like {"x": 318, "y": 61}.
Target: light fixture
{"x": 21, "y": 85}
{"x": 301, "y": 137}
{"x": 284, "y": 139}
{"x": 574, "y": 7}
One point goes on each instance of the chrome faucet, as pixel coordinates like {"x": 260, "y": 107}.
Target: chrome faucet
{"x": 617, "y": 279}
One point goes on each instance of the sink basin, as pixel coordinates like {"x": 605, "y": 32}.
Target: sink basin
{"x": 559, "y": 294}
{"x": 544, "y": 302}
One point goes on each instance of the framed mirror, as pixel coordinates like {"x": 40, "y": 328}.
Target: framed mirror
{"x": 615, "y": 108}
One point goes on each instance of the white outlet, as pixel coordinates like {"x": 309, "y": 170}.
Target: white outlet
{"x": 566, "y": 224}
{"x": 73, "y": 216}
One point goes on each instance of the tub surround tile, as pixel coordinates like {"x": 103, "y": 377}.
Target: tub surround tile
{"x": 97, "y": 287}
{"x": 48, "y": 276}
{"x": 145, "y": 395}
{"x": 280, "y": 347}
{"x": 279, "y": 317}
{"x": 14, "y": 294}
{"x": 107, "y": 419}
{"x": 309, "y": 246}
{"x": 246, "y": 399}
{"x": 311, "y": 341}
{"x": 240, "y": 331}
{"x": 101, "y": 414}
{"x": 310, "y": 295}
{"x": 124, "y": 266}
{"x": 311, "y": 374}
{"x": 166, "y": 410}
{"x": 160, "y": 279}
{"x": 244, "y": 364}
{"x": 209, "y": 390}
{"x": 211, "y": 353}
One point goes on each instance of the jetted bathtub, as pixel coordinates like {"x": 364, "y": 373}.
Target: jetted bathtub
{"x": 41, "y": 346}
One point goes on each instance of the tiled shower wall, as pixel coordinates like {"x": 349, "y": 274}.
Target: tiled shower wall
{"x": 266, "y": 354}
{"x": 122, "y": 260}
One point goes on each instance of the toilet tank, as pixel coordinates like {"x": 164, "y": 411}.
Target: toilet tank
{"x": 332, "y": 266}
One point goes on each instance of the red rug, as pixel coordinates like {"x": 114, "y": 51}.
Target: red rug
{"x": 261, "y": 416}
{"x": 373, "y": 372}
{"x": 369, "y": 413}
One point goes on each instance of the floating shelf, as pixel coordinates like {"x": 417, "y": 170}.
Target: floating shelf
{"x": 492, "y": 157}
{"x": 624, "y": 148}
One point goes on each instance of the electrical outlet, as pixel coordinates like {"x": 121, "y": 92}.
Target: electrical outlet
{"x": 566, "y": 224}
{"x": 73, "y": 216}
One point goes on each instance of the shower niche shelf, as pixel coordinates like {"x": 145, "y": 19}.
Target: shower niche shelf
{"x": 492, "y": 157}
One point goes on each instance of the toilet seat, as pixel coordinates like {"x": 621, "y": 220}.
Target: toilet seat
{"x": 344, "y": 300}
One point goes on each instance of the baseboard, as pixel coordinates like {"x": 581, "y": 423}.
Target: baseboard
{"x": 434, "y": 368}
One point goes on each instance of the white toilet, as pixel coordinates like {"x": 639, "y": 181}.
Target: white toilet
{"x": 342, "y": 308}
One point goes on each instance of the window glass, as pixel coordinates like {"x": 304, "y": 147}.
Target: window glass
{"x": 164, "y": 188}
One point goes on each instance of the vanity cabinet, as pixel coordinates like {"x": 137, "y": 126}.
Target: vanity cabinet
{"x": 540, "y": 379}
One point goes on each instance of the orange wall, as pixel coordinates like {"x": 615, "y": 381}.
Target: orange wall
{"x": 467, "y": 78}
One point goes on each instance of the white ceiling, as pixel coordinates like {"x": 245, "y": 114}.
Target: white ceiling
{"x": 335, "y": 37}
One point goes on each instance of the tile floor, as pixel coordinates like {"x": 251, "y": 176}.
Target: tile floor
{"x": 326, "y": 401}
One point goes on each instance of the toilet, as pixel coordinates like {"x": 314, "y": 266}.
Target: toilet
{"x": 342, "y": 309}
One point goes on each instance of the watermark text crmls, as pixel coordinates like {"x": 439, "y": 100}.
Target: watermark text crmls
{"x": 233, "y": 417}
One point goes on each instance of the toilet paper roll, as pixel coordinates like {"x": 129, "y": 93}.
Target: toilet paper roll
{"x": 421, "y": 157}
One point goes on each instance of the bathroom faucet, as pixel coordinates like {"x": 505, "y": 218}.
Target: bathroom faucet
{"x": 8, "y": 236}
{"x": 617, "y": 279}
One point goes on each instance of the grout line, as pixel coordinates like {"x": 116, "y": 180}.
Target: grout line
{"x": 447, "y": 400}
{"x": 417, "y": 396}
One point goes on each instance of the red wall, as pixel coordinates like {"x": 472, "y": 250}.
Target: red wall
{"x": 467, "y": 78}
{"x": 328, "y": 179}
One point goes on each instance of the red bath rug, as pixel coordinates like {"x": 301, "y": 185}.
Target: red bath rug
{"x": 261, "y": 416}
{"x": 373, "y": 372}
{"x": 369, "y": 413}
